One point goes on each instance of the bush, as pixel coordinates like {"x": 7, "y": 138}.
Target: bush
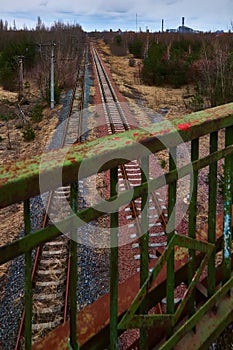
{"x": 136, "y": 48}
{"x": 155, "y": 68}
{"x": 197, "y": 101}
{"x": 118, "y": 39}
{"x": 19, "y": 126}
{"x": 28, "y": 133}
{"x": 37, "y": 113}
{"x": 8, "y": 77}
{"x": 177, "y": 73}
{"x": 132, "y": 62}
{"x": 7, "y": 116}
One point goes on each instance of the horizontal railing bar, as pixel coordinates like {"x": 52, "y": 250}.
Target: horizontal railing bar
{"x": 151, "y": 320}
{"x": 20, "y": 180}
{"x": 27, "y": 243}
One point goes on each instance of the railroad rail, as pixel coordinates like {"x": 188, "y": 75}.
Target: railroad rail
{"x": 51, "y": 267}
{"x": 129, "y": 176}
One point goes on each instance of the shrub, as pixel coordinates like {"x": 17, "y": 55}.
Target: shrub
{"x": 118, "y": 39}
{"x": 132, "y": 62}
{"x": 136, "y": 48}
{"x": 37, "y": 113}
{"x": 155, "y": 69}
{"x": 19, "y": 126}
{"x": 7, "y": 116}
{"x": 197, "y": 102}
{"x": 28, "y": 133}
{"x": 8, "y": 77}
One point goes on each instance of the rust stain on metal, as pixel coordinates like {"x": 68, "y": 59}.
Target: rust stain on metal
{"x": 24, "y": 175}
{"x": 57, "y": 339}
{"x": 185, "y": 126}
{"x": 95, "y": 317}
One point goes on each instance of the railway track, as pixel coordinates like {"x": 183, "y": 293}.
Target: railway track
{"x": 129, "y": 175}
{"x": 50, "y": 273}
{"x": 51, "y": 269}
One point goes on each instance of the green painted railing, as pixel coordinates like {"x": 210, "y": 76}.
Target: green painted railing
{"x": 19, "y": 181}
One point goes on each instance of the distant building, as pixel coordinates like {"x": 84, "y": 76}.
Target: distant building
{"x": 184, "y": 29}
{"x": 219, "y": 32}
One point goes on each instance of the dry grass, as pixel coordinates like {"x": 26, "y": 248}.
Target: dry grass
{"x": 152, "y": 97}
{"x": 11, "y": 218}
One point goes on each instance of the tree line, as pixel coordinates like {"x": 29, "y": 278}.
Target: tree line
{"x": 34, "y": 47}
{"x": 202, "y": 62}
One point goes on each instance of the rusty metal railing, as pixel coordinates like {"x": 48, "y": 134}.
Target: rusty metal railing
{"x": 20, "y": 181}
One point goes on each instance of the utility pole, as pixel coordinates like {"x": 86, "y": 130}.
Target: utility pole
{"x": 136, "y": 22}
{"x": 52, "y": 76}
{"x": 20, "y": 63}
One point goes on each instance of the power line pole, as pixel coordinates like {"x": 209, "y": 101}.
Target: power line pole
{"x": 52, "y": 76}
{"x": 20, "y": 63}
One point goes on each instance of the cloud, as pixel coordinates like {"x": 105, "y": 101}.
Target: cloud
{"x": 44, "y": 3}
{"x": 201, "y": 13}
{"x": 171, "y": 2}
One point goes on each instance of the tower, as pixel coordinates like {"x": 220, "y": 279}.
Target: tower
{"x": 183, "y": 22}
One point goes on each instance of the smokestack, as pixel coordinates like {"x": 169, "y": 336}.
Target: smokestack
{"x": 162, "y": 25}
{"x": 182, "y": 21}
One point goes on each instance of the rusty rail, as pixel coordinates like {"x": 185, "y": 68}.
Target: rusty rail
{"x": 46, "y": 220}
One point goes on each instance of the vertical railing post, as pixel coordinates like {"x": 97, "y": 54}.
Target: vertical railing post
{"x": 192, "y": 223}
{"x": 113, "y": 265}
{"x": 73, "y": 271}
{"x": 212, "y": 206}
{"x": 144, "y": 251}
{"x": 28, "y": 281}
{"x": 171, "y": 227}
{"x": 227, "y": 209}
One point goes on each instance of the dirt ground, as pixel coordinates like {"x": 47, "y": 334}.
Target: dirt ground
{"x": 14, "y": 148}
{"x": 128, "y": 82}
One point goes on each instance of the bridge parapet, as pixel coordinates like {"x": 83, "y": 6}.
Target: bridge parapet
{"x": 21, "y": 181}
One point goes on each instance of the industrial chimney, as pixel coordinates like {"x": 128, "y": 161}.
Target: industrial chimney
{"x": 162, "y": 25}
{"x": 183, "y": 22}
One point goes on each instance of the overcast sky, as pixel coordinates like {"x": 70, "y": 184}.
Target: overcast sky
{"x": 113, "y": 14}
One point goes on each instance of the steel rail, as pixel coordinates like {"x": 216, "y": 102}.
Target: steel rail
{"x": 46, "y": 217}
{"x": 108, "y": 101}
{"x": 119, "y": 123}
